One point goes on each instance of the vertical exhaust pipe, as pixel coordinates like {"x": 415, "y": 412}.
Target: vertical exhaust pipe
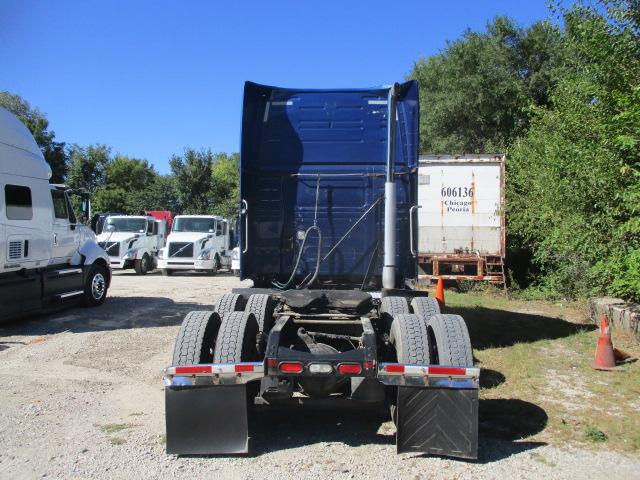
{"x": 390, "y": 212}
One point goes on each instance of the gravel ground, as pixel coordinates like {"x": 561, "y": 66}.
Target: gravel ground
{"x": 82, "y": 397}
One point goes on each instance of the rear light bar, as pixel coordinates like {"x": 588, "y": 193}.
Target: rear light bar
{"x": 443, "y": 376}
{"x": 213, "y": 373}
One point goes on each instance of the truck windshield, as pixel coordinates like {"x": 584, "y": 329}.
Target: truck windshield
{"x": 194, "y": 225}
{"x": 137, "y": 225}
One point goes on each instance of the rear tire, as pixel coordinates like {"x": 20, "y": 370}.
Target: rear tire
{"x": 196, "y": 338}
{"x": 262, "y": 307}
{"x": 236, "y": 340}
{"x": 229, "y": 302}
{"x": 409, "y": 337}
{"x": 216, "y": 266}
{"x": 390, "y": 307}
{"x": 95, "y": 286}
{"x": 449, "y": 341}
{"x": 142, "y": 266}
{"x": 425, "y": 307}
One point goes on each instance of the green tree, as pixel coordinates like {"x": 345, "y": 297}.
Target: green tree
{"x": 88, "y": 166}
{"x": 127, "y": 181}
{"x": 37, "y": 123}
{"x": 129, "y": 173}
{"x": 477, "y": 94}
{"x": 160, "y": 194}
{"x": 574, "y": 178}
{"x": 193, "y": 180}
{"x": 225, "y": 185}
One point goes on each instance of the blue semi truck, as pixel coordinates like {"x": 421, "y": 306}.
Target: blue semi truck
{"x": 328, "y": 198}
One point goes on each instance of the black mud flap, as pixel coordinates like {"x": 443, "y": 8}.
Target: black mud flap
{"x": 438, "y": 421}
{"x": 207, "y": 420}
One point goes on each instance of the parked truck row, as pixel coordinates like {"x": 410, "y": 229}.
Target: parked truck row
{"x": 201, "y": 243}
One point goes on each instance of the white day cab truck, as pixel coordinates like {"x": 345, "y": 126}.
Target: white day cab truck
{"x": 197, "y": 242}
{"x": 133, "y": 241}
{"x": 47, "y": 258}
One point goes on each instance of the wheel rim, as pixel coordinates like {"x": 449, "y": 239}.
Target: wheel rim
{"x": 97, "y": 286}
{"x": 144, "y": 263}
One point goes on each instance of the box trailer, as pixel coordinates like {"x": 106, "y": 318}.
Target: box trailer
{"x": 461, "y": 224}
{"x": 328, "y": 184}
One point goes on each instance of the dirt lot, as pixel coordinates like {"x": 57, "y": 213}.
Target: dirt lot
{"x": 82, "y": 397}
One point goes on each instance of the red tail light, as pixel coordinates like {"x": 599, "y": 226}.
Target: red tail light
{"x": 349, "y": 368}
{"x": 291, "y": 367}
{"x": 368, "y": 365}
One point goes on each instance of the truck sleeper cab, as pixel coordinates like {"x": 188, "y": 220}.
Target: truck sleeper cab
{"x": 197, "y": 242}
{"x": 328, "y": 200}
{"x": 132, "y": 241}
{"x": 47, "y": 258}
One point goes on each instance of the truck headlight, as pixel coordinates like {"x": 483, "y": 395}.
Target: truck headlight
{"x": 204, "y": 255}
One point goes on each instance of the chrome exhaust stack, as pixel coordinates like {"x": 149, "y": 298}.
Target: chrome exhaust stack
{"x": 390, "y": 211}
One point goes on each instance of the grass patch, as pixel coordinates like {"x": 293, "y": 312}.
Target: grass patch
{"x": 536, "y": 380}
{"x": 117, "y": 441}
{"x": 114, "y": 427}
{"x": 595, "y": 435}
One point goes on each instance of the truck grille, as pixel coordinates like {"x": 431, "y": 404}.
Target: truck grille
{"x": 112, "y": 248}
{"x": 15, "y": 250}
{"x": 180, "y": 249}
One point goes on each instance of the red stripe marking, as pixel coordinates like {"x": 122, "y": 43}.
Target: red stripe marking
{"x": 193, "y": 369}
{"x": 394, "y": 368}
{"x": 447, "y": 371}
{"x": 243, "y": 368}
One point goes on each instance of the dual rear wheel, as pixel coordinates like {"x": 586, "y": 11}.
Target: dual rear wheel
{"x": 227, "y": 334}
{"x": 421, "y": 334}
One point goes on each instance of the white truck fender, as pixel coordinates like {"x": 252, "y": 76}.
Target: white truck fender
{"x": 91, "y": 252}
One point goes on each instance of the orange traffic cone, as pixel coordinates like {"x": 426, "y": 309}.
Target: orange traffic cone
{"x": 605, "y": 359}
{"x": 440, "y": 292}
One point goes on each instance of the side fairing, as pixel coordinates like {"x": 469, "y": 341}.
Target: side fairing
{"x": 302, "y": 148}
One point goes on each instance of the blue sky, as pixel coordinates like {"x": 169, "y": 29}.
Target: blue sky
{"x": 149, "y": 78}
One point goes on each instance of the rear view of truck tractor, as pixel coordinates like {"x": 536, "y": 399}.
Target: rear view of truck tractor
{"x": 328, "y": 188}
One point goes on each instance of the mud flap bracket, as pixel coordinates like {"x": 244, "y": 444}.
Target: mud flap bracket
{"x": 438, "y": 421}
{"x": 206, "y": 420}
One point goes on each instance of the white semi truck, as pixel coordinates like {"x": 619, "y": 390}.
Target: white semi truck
{"x": 47, "y": 258}
{"x": 133, "y": 241}
{"x": 197, "y": 242}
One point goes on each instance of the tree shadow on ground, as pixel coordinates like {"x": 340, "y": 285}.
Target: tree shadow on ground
{"x": 116, "y": 313}
{"x": 492, "y": 328}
